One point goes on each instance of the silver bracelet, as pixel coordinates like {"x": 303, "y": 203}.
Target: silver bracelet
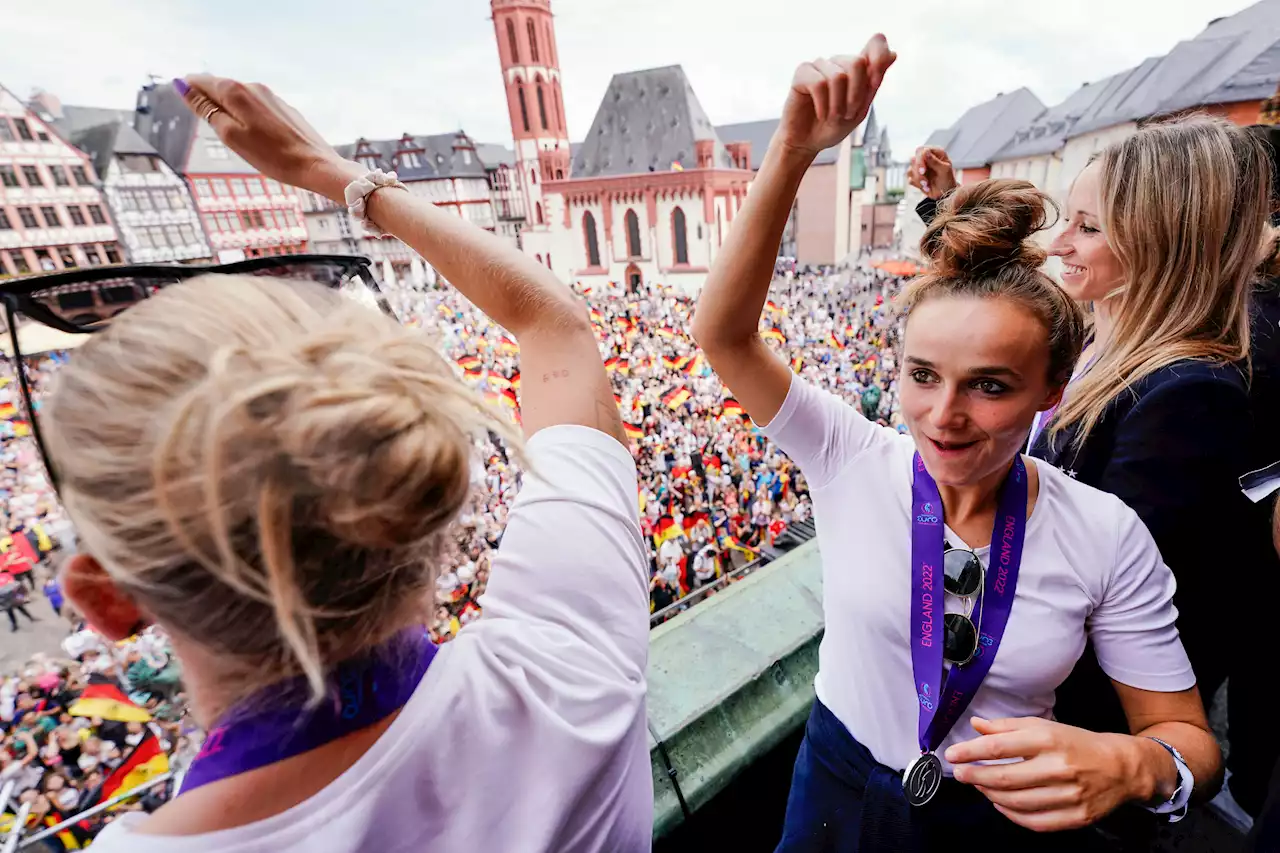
{"x": 1175, "y": 808}
{"x": 357, "y": 195}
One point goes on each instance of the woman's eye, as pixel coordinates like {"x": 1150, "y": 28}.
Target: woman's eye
{"x": 1085, "y": 229}
{"x": 990, "y": 386}
{"x": 921, "y": 375}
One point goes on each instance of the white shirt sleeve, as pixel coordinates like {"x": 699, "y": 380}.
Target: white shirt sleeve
{"x": 1133, "y": 629}
{"x": 572, "y": 557}
{"x": 820, "y": 432}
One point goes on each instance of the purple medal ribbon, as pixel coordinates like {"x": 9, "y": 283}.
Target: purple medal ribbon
{"x": 274, "y": 723}
{"x": 944, "y": 698}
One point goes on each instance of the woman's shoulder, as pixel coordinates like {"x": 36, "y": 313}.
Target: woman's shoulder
{"x": 1187, "y": 374}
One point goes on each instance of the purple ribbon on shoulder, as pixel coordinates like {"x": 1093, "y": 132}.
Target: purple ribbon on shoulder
{"x": 274, "y": 724}
{"x": 944, "y": 697}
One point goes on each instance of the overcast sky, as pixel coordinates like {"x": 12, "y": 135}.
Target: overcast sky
{"x": 378, "y": 68}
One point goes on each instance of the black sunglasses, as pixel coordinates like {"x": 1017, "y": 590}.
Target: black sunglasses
{"x": 84, "y": 301}
{"x": 963, "y": 577}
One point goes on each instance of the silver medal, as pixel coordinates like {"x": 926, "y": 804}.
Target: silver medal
{"x": 922, "y": 778}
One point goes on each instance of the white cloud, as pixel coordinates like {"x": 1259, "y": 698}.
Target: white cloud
{"x": 379, "y": 68}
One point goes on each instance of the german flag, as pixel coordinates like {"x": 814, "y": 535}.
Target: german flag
{"x": 515, "y": 380}
{"x": 596, "y": 317}
{"x": 797, "y": 363}
{"x": 146, "y": 761}
{"x": 104, "y": 699}
{"x": 633, "y": 432}
{"x": 693, "y": 367}
{"x": 733, "y": 407}
{"x": 773, "y": 333}
{"x": 499, "y": 383}
{"x": 617, "y": 398}
{"x": 771, "y": 305}
{"x": 508, "y": 397}
{"x": 8, "y": 410}
{"x": 682, "y": 362}
{"x": 676, "y": 397}
{"x": 473, "y": 373}
{"x": 665, "y": 332}
{"x": 506, "y": 345}
{"x": 669, "y": 362}
{"x": 468, "y": 362}
{"x": 611, "y": 363}
{"x": 833, "y": 342}
{"x": 665, "y": 529}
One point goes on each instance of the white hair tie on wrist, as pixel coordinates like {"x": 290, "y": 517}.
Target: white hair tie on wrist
{"x": 357, "y": 196}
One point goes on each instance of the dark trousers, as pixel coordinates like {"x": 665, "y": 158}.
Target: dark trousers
{"x": 13, "y": 619}
{"x": 843, "y": 801}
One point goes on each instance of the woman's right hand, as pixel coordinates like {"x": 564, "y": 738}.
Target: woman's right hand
{"x": 931, "y": 172}
{"x": 831, "y": 97}
{"x": 255, "y": 123}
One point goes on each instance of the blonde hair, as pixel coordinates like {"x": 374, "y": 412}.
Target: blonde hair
{"x": 266, "y": 466}
{"x": 1184, "y": 206}
{"x": 979, "y": 244}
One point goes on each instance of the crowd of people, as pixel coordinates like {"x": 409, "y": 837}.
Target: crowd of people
{"x": 713, "y": 489}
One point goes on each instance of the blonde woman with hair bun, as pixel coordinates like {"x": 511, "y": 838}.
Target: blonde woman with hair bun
{"x": 961, "y": 579}
{"x": 268, "y": 469}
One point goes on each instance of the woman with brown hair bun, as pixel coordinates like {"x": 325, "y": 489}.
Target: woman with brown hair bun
{"x": 268, "y": 470}
{"x": 981, "y": 572}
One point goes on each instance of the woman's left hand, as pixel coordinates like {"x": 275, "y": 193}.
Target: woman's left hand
{"x": 1068, "y": 778}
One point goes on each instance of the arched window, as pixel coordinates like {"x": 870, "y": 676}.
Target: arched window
{"x": 511, "y": 37}
{"x": 593, "y": 242}
{"x": 681, "y": 239}
{"x": 551, "y": 47}
{"x": 533, "y": 43}
{"x": 633, "y": 234}
{"x": 524, "y": 108}
{"x": 537, "y": 207}
{"x": 548, "y": 260}
{"x": 559, "y": 174}
{"x": 557, "y": 98}
{"x": 533, "y": 177}
{"x": 539, "y": 257}
{"x": 542, "y": 107}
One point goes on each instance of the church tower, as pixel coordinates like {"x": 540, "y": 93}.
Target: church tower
{"x": 531, "y": 75}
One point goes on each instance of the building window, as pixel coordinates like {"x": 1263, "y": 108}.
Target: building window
{"x": 176, "y": 201}
{"x": 681, "y": 240}
{"x": 511, "y": 39}
{"x": 32, "y": 176}
{"x": 113, "y": 255}
{"x": 548, "y": 260}
{"x": 537, "y": 209}
{"x": 5, "y": 224}
{"x": 24, "y": 131}
{"x": 59, "y": 174}
{"x": 80, "y": 176}
{"x": 539, "y": 257}
{"x": 524, "y": 108}
{"x": 93, "y": 255}
{"x": 68, "y": 258}
{"x": 216, "y": 151}
{"x": 542, "y": 107}
{"x": 51, "y": 218}
{"x": 273, "y": 187}
{"x": 144, "y": 200}
{"x": 6, "y": 132}
{"x": 227, "y": 222}
{"x": 633, "y": 234}
{"x": 76, "y": 214}
{"x": 533, "y": 43}
{"x": 238, "y": 187}
{"x": 19, "y": 262}
{"x": 255, "y": 186}
{"x": 533, "y": 177}
{"x": 45, "y": 260}
{"x": 8, "y": 177}
{"x": 188, "y": 235}
{"x": 28, "y": 217}
{"x": 144, "y": 238}
{"x": 593, "y": 242}
{"x": 173, "y": 235}
{"x": 96, "y": 216}
{"x": 551, "y": 50}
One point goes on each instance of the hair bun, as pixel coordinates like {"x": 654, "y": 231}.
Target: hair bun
{"x": 983, "y": 227}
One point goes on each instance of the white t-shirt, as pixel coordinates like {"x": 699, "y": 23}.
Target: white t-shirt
{"x": 528, "y": 733}
{"x": 1089, "y": 566}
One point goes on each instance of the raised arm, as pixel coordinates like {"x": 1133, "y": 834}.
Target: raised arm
{"x": 828, "y": 99}
{"x": 565, "y": 381}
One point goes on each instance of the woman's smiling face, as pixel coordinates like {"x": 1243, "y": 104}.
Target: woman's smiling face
{"x": 1090, "y": 269}
{"x": 975, "y": 374}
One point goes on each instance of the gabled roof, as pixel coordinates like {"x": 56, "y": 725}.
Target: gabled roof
{"x": 75, "y": 119}
{"x": 1236, "y": 58}
{"x": 105, "y": 141}
{"x": 647, "y": 121}
{"x": 440, "y": 155}
{"x": 760, "y": 133}
{"x": 185, "y": 142}
{"x": 982, "y": 131}
{"x": 493, "y": 155}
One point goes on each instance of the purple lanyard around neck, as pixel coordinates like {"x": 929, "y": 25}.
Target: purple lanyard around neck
{"x": 274, "y": 723}
{"x": 944, "y": 698}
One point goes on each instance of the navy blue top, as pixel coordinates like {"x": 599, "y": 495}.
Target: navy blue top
{"x": 1172, "y": 447}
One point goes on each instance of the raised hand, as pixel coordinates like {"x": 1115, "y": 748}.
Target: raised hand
{"x": 831, "y": 97}
{"x": 255, "y": 123}
{"x": 1068, "y": 778}
{"x": 931, "y": 172}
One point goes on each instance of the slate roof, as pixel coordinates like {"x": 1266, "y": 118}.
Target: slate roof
{"x": 647, "y": 120}
{"x": 103, "y": 142}
{"x": 76, "y": 119}
{"x": 183, "y": 140}
{"x": 439, "y": 156}
{"x": 983, "y": 130}
{"x": 1235, "y": 58}
{"x": 759, "y": 134}
{"x": 493, "y": 155}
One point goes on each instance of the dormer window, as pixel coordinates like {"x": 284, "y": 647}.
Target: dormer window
{"x": 409, "y": 160}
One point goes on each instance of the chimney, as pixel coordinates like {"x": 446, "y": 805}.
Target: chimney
{"x": 46, "y": 105}
{"x": 741, "y": 154}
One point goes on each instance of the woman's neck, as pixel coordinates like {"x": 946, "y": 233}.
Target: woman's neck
{"x": 1103, "y": 322}
{"x": 969, "y": 510}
